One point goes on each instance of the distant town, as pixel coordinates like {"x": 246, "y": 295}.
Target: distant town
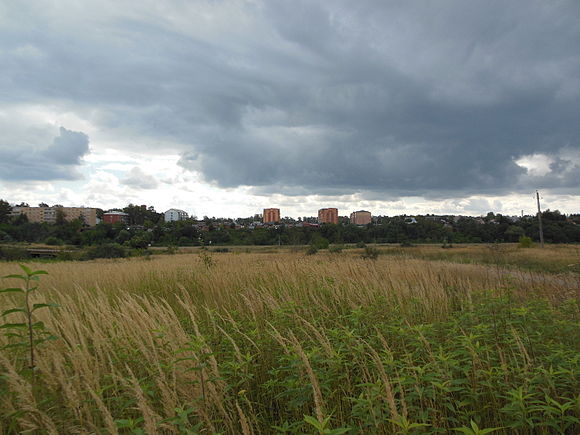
{"x": 141, "y": 226}
{"x": 43, "y": 213}
{"x": 92, "y": 216}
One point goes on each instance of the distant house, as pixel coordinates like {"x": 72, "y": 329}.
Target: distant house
{"x": 174, "y": 214}
{"x": 113, "y": 217}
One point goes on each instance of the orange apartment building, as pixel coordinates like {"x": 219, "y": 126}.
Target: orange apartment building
{"x": 360, "y": 217}
{"x": 328, "y": 216}
{"x": 271, "y": 215}
{"x": 48, "y": 214}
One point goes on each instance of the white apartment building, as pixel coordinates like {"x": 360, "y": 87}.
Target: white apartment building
{"x": 174, "y": 214}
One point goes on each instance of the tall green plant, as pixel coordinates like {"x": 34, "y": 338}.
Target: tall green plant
{"x": 28, "y": 334}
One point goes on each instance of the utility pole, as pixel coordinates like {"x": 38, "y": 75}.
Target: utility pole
{"x": 540, "y": 220}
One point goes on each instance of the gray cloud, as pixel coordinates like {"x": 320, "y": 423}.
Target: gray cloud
{"x": 405, "y": 98}
{"x": 35, "y": 153}
{"x": 138, "y": 179}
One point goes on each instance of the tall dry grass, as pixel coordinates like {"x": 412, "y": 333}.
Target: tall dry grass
{"x": 164, "y": 344}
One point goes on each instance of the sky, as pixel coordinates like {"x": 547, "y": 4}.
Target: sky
{"x": 223, "y": 108}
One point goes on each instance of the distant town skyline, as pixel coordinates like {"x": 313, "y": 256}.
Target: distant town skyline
{"x": 226, "y": 108}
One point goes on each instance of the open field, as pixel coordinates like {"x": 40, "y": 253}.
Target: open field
{"x": 282, "y": 342}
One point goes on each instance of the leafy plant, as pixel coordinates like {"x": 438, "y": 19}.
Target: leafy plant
{"x": 322, "y": 426}
{"x": 405, "y": 426}
{"x": 525, "y": 242}
{"x": 475, "y": 430}
{"x": 206, "y": 258}
{"x": 29, "y": 333}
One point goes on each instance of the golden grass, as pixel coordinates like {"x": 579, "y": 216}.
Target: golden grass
{"x": 123, "y": 324}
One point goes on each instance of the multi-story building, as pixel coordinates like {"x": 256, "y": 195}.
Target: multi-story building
{"x": 174, "y": 214}
{"x": 271, "y": 215}
{"x": 360, "y": 217}
{"x": 328, "y": 216}
{"x": 49, "y": 214}
{"x": 113, "y": 217}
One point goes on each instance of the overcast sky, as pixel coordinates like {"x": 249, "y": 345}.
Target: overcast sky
{"x": 223, "y": 108}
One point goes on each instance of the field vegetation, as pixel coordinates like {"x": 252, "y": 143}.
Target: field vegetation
{"x": 342, "y": 341}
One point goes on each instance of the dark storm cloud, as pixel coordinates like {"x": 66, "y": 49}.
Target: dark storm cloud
{"x": 428, "y": 98}
{"x": 32, "y": 156}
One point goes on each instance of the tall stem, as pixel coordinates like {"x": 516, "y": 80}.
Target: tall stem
{"x": 29, "y": 318}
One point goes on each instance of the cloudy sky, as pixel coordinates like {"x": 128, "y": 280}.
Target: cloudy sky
{"x": 225, "y": 107}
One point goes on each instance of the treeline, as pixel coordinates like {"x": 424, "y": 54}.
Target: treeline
{"x": 147, "y": 228}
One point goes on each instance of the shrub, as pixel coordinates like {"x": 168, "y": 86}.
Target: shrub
{"x": 110, "y": 250}
{"x": 312, "y": 249}
{"x": 406, "y": 244}
{"x": 335, "y": 249}
{"x": 184, "y": 241}
{"x": 361, "y": 245}
{"x": 12, "y": 254}
{"x": 370, "y": 253}
{"x": 53, "y": 241}
{"x": 69, "y": 256}
{"x": 525, "y": 242}
{"x": 320, "y": 243}
{"x": 221, "y": 250}
{"x": 206, "y": 258}
{"x": 139, "y": 242}
{"x": 5, "y": 237}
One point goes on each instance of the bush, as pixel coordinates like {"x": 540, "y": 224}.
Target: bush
{"x": 5, "y": 237}
{"x": 406, "y": 244}
{"x": 320, "y": 243}
{"x": 370, "y": 253}
{"x": 12, "y": 254}
{"x": 53, "y": 241}
{"x": 335, "y": 249}
{"x": 311, "y": 250}
{"x": 525, "y": 242}
{"x": 221, "y": 250}
{"x": 110, "y": 250}
{"x": 139, "y": 242}
{"x": 184, "y": 241}
{"x": 69, "y": 256}
{"x": 361, "y": 245}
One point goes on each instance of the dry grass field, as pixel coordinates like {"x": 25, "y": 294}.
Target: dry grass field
{"x": 418, "y": 341}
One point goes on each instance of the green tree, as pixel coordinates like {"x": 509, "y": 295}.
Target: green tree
{"x": 5, "y": 210}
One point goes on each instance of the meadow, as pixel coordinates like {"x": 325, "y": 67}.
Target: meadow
{"x": 421, "y": 340}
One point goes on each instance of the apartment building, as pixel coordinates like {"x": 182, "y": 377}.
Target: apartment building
{"x": 360, "y": 217}
{"x": 271, "y": 215}
{"x": 113, "y": 217}
{"x": 49, "y": 214}
{"x": 174, "y": 214}
{"x": 328, "y": 216}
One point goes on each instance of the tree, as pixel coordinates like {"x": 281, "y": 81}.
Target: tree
{"x": 514, "y": 233}
{"x": 5, "y": 210}
{"x": 60, "y": 217}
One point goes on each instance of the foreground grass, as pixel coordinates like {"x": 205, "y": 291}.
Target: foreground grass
{"x": 285, "y": 343}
